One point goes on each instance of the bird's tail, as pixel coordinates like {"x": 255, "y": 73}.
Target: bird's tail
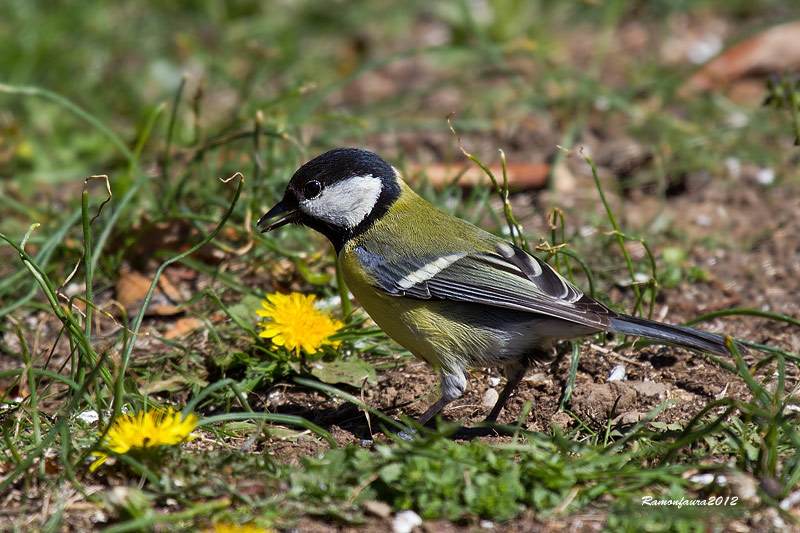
{"x": 691, "y": 338}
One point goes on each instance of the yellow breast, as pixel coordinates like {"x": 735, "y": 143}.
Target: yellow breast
{"x": 443, "y": 333}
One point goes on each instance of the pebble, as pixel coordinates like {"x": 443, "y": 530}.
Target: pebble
{"x": 490, "y": 397}
{"x": 702, "y": 479}
{"x": 405, "y": 521}
{"x": 617, "y": 373}
{"x": 407, "y": 436}
{"x": 379, "y": 509}
{"x": 765, "y": 176}
{"x": 90, "y": 417}
{"x": 791, "y": 500}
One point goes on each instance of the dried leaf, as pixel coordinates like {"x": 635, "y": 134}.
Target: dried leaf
{"x": 774, "y": 50}
{"x": 131, "y": 289}
{"x": 181, "y": 326}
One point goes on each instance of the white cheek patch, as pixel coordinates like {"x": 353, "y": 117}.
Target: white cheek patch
{"x": 346, "y": 203}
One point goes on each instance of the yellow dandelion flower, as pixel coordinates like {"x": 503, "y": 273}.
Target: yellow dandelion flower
{"x": 224, "y": 527}
{"x": 146, "y": 429}
{"x": 295, "y": 323}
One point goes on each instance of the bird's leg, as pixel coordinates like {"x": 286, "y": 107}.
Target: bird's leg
{"x": 453, "y": 385}
{"x": 514, "y": 374}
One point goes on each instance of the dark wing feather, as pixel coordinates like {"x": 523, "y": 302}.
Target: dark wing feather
{"x": 509, "y": 278}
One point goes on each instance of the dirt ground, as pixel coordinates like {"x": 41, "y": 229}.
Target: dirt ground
{"x": 755, "y": 264}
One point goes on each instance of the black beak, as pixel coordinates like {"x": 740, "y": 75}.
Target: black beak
{"x": 284, "y": 210}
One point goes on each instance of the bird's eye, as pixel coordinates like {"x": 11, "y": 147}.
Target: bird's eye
{"x": 312, "y": 189}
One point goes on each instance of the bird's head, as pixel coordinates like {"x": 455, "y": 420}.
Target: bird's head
{"x": 339, "y": 193}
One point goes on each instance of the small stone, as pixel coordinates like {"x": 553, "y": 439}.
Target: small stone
{"x": 703, "y": 479}
{"x": 562, "y": 420}
{"x": 765, "y": 176}
{"x": 90, "y": 417}
{"x": 98, "y": 517}
{"x": 617, "y": 373}
{"x": 651, "y": 389}
{"x": 703, "y": 220}
{"x": 405, "y": 521}
{"x": 703, "y": 48}
{"x": 771, "y": 486}
{"x": 538, "y": 377}
{"x": 490, "y": 397}
{"x": 629, "y": 418}
{"x": 376, "y": 508}
{"x": 407, "y": 436}
{"x": 734, "y": 167}
{"x": 744, "y": 486}
{"x": 791, "y": 500}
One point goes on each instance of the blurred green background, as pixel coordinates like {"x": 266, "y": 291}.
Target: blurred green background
{"x": 333, "y": 73}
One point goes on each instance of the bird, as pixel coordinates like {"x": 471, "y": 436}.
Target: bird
{"x": 454, "y": 295}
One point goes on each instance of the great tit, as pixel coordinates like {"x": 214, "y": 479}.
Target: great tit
{"x": 453, "y": 294}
